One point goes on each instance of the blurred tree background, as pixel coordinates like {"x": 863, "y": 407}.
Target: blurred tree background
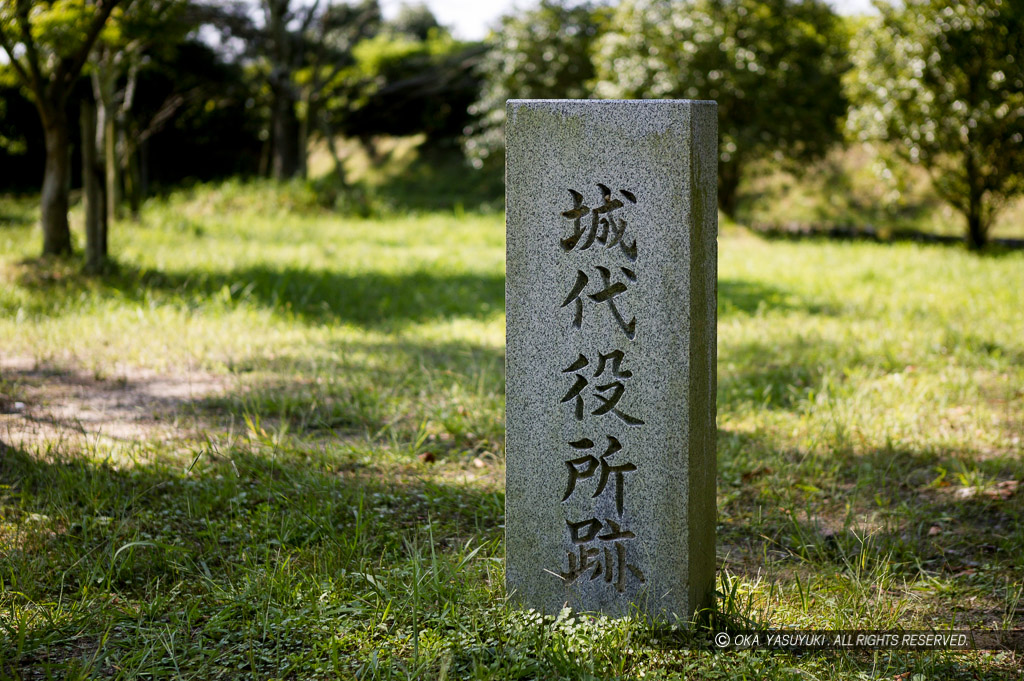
{"x": 945, "y": 84}
{"x": 908, "y": 118}
{"x": 773, "y": 66}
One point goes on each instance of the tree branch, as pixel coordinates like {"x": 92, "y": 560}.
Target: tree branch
{"x": 310, "y": 15}
{"x": 167, "y": 110}
{"x": 23, "y": 75}
{"x": 129, "y": 89}
{"x": 69, "y": 69}
{"x": 21, "y": 12}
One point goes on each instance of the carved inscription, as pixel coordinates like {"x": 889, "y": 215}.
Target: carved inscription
{"x": 606, "y": 292}
{"x": 587, "y": 466}
{"x": 608, "y": 394}
{"x": 598, "y": 387}
{"x": 586, "y": 557}
{"x": 606, "y": 228}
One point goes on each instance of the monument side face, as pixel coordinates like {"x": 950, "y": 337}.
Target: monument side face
{"x": 610, "y": 355}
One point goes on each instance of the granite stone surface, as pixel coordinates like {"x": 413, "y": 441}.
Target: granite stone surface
{"x": 611, "y": 294}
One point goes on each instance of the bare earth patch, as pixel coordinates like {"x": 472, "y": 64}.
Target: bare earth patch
{"x": 42, "y": 403}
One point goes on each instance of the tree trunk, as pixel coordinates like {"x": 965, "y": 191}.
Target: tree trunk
{"x": 104, "y": 82}
{"x": 303, "y": 137}
{"x": 332, "y": 148}
{"x": 92, "y": 185}
{"x": 144, "y": 169}
{"x": 266, "y": 151}
{"x": 977, "y": 230}
{"x": 112, "y": 167}
{"x": 286, "y": 135}
{"x": 125, "y": 148}
{"x": 372, "y": 150}
{"x": 728, "y": 183}
{"x": 977, "y": 226}
{"x": 54, "y": 198}
{"x": 133, "y": 182}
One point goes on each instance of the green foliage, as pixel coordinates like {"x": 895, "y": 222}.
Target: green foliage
{"x": 154, "y": 27}
{"x": 46, "y": 40}
{"x": 59, "y": 32}
{"x": 415, "y": 21}
{"x": 400, "y": 84}
{"x": 773, "y": 66}
{"x": 543, "y": 53}
{"x": 945, "y": 83}
{"x": 58, "y": 26}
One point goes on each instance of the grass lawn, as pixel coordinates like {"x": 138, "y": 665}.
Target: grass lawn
{"x": 271, "y": 446}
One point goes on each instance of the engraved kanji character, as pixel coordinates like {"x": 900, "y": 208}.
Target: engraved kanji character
{"x": 586, "y": 466}
{"x": 575, "y": 294}
{"x": 575, "y": 392}
{"x": 613, "y": 566}
{"x": 578, "y": 566}
{"x": 588, "y": 528}
{"x": 609, "y": 394}
{"x": 618, "y": 227}
{"x": 605, "y": 227}
{"x": 576, "y": 215}
{"x": 607, "y": 469}
{"x": 575, "y": 473}
{"x": 616, "y": 388}
{"x": 607, "y": 295}
{"x": 615, "y": 359}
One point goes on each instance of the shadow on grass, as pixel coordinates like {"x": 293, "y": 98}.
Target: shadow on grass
{"x": 867, "y": 233}
{"x": 955, "y": 515}
{"x": 752, "y": 297}
{"x": 775, "y": 376}
{"x": 256, "y": 546}
{"x": 369, "y": 299}
{"x": 15, "y": 219}
{"x": 366, "y": 388}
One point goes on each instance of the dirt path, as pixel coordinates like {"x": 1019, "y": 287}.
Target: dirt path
{"x": 44, "y": 403}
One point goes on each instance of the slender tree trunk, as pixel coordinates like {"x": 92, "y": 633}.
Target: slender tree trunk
{"x": 977, "y": 227}
{"x": 104, "y": 81}
{"x": 266, "y": 151}
{"x": 126, "y": 146}
{"x": 373, "y": 152}
{"x": 284, "y": 128}
{"x": 133, "y": 182}
{"x": 112, "y": 167}
{"x": 332, "y": 148}
{"x": 92, "y": 185}
{"x": 54, "y": 199}
{"x": 285, "y": 131}
{"x": 144, "y": 169}
{"x": 977, "y": 230}
{"x": 302, "y": 153}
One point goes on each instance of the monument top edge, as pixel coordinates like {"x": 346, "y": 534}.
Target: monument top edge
{"x": 619, "y": 102}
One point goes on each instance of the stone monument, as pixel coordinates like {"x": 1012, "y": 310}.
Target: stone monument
{"x": 610, "y": 298}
